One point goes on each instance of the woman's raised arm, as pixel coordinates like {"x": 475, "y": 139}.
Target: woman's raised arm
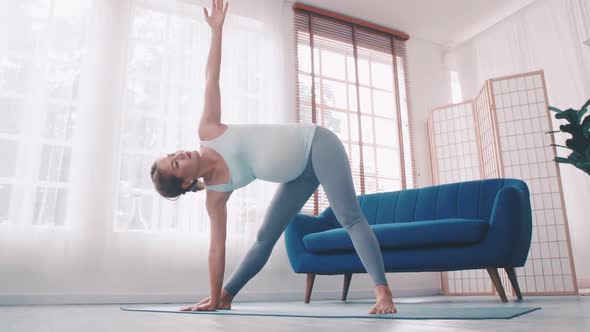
{"x": 211, "y": 117}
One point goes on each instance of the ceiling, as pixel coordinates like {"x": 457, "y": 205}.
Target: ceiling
{"x": 445, "y": 22}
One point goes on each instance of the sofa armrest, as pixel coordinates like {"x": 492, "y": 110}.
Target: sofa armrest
{"x": 510, "y": 228}
{"x": 299, "y": 227}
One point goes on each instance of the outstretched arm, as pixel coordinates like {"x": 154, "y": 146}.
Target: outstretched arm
{"x": 211, "y": 117}
{"x": 216, "y": 204}
{"x": 217, "y": 210}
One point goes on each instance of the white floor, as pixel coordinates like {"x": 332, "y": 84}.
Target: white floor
{"x": 558, "y": 314}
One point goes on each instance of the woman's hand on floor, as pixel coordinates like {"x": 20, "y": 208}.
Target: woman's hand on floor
{"x": 201, "y": 306}
{"x": 222, "y": 305}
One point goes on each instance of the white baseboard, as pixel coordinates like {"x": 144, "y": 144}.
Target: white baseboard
{"x": 126, "y": 298}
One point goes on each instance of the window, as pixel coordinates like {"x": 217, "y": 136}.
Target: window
{"x": 353, "y": 80}
{"x": 41, "y": 58}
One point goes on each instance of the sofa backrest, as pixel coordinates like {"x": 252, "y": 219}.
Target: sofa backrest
{"x": 469, "y": 200}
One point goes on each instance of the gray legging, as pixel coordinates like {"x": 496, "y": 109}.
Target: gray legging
{"x": 328, "y": 165}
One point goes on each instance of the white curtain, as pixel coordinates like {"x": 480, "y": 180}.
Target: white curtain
{"x": 551, "y": 35}
{"x": 92, "y": 92}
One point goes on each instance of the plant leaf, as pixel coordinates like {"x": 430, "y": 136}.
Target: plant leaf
{"x": 570, "y": 115}
{"x": 554, "y": 109}
{"x": 568, "y": 128}
{"x": 583, "y": 165}
{"x": 563, "y": 160}
{"x": 581, "y": 113}
{"x": 576, "y": 157}
{"x": 586, "y": 127}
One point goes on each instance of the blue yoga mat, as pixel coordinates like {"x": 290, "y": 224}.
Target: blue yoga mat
{"x": 345, "y": 310}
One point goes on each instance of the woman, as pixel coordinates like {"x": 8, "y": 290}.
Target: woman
{"x": 299, "y": 156}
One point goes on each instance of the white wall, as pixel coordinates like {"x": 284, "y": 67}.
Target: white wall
{"x": 430, "y": 84}
{"x": 547, "y": 35}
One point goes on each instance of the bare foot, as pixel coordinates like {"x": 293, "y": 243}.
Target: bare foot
{"x": 224, "y": 305}
{"x": 384, "y": 304}
{"x": 225, "y": 302}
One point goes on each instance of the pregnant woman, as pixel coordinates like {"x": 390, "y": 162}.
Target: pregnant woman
{"x": 298, "y": 156}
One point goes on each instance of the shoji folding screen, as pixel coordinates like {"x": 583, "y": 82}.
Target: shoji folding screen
{"x": 501, "y": 134}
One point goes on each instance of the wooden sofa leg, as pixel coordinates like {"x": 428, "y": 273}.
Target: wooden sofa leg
{"x": 511, "y": 271}
{"x": 347, "y": 277}
{"x": 309, "y": 287}
{"x": 493, "y": 272}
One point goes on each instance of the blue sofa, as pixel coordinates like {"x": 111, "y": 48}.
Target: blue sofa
{"x": 459, "y": 226}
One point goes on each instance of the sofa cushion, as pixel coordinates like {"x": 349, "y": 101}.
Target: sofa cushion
{"x": 428, "y": 233}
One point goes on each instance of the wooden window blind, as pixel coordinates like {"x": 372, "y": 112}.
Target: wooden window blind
{"x": 352, "y": 78}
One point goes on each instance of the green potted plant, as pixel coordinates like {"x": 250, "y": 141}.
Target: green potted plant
{"x": 579, "y": 128}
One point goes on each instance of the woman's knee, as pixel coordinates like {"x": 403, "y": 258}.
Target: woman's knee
{"x": 348, "y": 224}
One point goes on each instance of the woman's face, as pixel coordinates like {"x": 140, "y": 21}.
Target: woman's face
{"x": 181, "y": 164}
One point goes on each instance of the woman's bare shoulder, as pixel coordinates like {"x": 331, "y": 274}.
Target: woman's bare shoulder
{"x": 217, "y": 198}
{"x": 211, "y": 132}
